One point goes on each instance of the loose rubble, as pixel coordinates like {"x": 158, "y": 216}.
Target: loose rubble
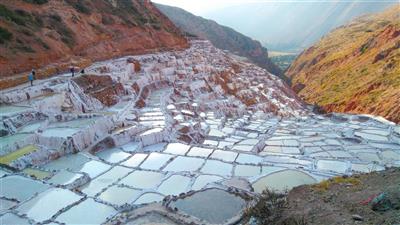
{"x": 136, "y": 134}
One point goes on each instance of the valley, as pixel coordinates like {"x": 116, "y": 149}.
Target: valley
{"x": 181, "y": 124}
{"x": 114, "y": 113}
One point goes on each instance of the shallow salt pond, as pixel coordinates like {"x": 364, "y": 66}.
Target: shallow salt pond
{"x": 177, "y": 148}
{"x": 119, "y": 195}
{"x": 151, "y": 219}
{"x": 200, "y": 152}
{"x": 174, "y": 185}
{"x": 182, "y": 163}
{"x": 11, "y": 140}
{"x": 247, "y": 171}
{"x": 149, "y": 198}
{"x": 335, "y": 166}
{"x": 212, "y": 205}
{"x": 30, "y": 127}
{"x": 6, "y": 204}
{"x": 87, "y": 212}
{"x": 135, "y": 160}
{"x": 7, "y": 159}
{"x": 243, "y": 148}
{"x": 143, "y": 179}
{"x": 94, "y": 168}
{"x": 114, "y": 155}
{"x": 217, "y": 167}
{"x": 8, "y": 110}
{"x": 73, "y": 162}
{"x": 12, "y": 219}
{"x": 202, "y": 180}
{"x": 131, "y": 147}
{"x": 64, "y": 178}
{"x": 46, "y": 204}
{"x": 37, "y": 173}
{"x": 78, "y": 123}
{"x": 224, "y": 155}
{"x": 155, "y": 161}
{"x": 11, "y": 187}
{"x": 247, "y": 158}
{"x": 283, "y": 180}
{"x": 104, "y": 180}
{"x": 59, "y": 132}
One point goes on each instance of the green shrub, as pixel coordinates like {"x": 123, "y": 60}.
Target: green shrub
{"x": 80, "y": 6}
{"x": 5, "y": 35}
{"x": 11, "y": 15}
{"x": 25, "y": 48}
{"x": 20, "y": 17}
{"x": 67, "y": 36}
{"x": 37, "y": 2}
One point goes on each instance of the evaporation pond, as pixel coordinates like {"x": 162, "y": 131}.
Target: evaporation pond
{"x": 143, "y": 179}
{"x": 119, "y": 195}
{"x": 151, "y": 219}
{"x": 73, "y": 162}
{"x": 7, "y": 110}
{"x": 46, "y": 204}
{"x": 11, "y": 187}
{"x": 59, "y": 132}
{"x": 212, "y": 205}
{"x": 10, "y": 140}
{"x": 87, "y": 212}
{"x": 113, "y": 155}
{"x": 283, "y": 180}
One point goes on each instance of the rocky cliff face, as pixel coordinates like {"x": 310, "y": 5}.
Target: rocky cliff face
{"x": 36, "y": 33}
{"x": 356, "y": 68}
{"x": 222, "y": 37}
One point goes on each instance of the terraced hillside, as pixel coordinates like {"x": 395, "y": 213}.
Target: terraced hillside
{"x": 36, "y": 33}
{"x": 356, "y": 68}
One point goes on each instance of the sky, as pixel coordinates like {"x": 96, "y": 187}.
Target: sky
{"x": 201, "y": 7}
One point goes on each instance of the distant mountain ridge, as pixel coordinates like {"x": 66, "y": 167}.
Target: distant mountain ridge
{"x": 292, "y": 25}
{"x": 221, "y": 36}
{"x": 355, "y": 68}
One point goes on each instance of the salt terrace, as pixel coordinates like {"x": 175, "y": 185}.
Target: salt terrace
{"x": 173, "y": 138}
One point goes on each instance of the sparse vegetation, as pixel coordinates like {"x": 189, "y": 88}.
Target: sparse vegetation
{"x": 107, "y": 20}
{"x": 38, "y": 2}
{"x": 326, "y": 184}
{"x": 80, "y": 5}
{"x": 5, "y": 35}
{"x": 67, "y": 36}
{"x": 283, "y": 61}
{"x": 17, "y": 17}
{"x": 268, "y": 210}
{"x": 360, "y": 70}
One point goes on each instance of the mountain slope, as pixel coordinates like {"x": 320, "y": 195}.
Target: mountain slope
{"x": 292, "y": 25}
{"x": 35, "y": 33}
{"x": 356, "y": 68}
{"x": 222, "y": 37}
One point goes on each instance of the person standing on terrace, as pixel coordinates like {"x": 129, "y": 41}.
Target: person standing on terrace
{"x": 31, "y": 78}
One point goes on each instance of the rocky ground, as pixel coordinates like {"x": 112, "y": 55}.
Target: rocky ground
{"x": 372, "y": 198}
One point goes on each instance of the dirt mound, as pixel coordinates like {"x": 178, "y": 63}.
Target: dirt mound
{"x": 34, "y": 34}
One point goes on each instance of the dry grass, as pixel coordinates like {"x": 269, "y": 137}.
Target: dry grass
{"x": 342, "y": 73}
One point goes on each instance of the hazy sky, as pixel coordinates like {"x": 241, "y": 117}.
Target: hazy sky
{"x": 201, "y": 7}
